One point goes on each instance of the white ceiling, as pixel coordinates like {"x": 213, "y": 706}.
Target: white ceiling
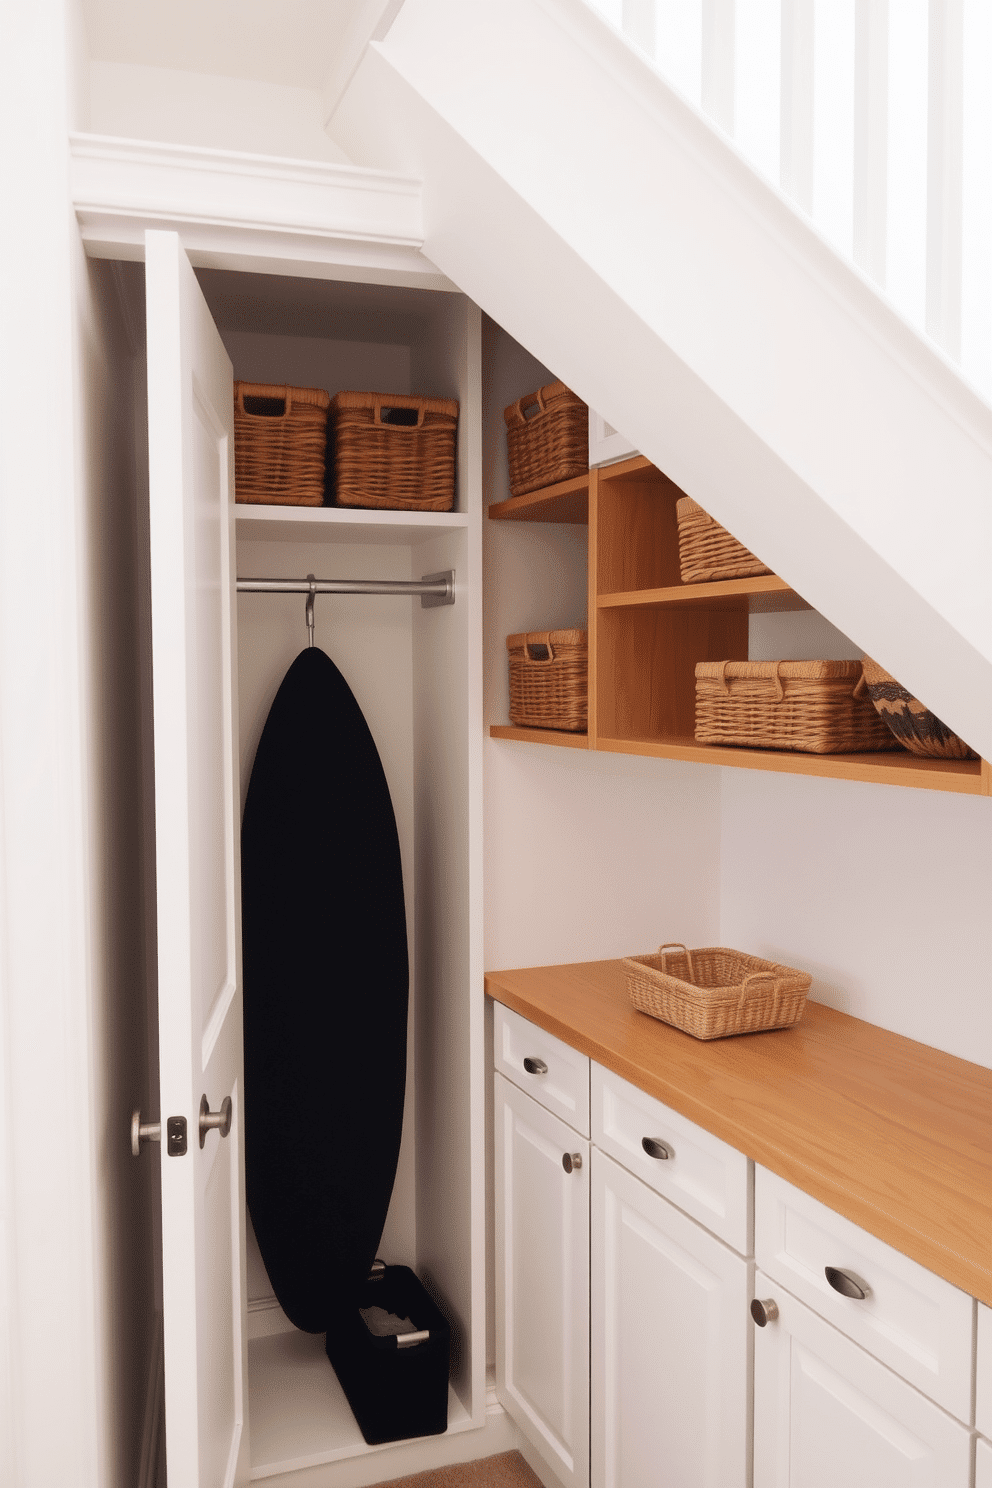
{"x": 292, "y": 42}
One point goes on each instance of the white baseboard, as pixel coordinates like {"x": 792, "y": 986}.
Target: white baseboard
{"x": 152, "y": 1434}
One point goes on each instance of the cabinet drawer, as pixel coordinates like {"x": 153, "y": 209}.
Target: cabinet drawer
{"x": 825, "y": 1412}
{"x": 555, "y": 1075}
{"x": 912, "y": 1320}
{"x": 702, "y": 1175}
{"x": 983, "y": 1392}
{"x": 983, "y": 1464}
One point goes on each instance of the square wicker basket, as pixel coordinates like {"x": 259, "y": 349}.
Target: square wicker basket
{"x": 394, "y": 452}
{"x": 547, "y": 438}
{"x": 815, "y": 707}
{"x": 707, "y": 551}
{"x": 280, "y": 441}
{"x": 715, "y": 992}
{"x": 549, "y": 679}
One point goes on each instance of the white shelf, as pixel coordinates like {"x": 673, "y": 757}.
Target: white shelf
{"x": 337, "y": 524}
{"x": 299, "y": 1414}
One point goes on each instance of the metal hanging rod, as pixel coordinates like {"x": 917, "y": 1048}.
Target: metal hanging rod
{"x": 434, "y": 589}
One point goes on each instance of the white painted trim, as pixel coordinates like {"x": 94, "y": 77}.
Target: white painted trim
{"x": 371, "y": 23}
{"x": 151, "y": 1428}
{"x": 344, "y": 217}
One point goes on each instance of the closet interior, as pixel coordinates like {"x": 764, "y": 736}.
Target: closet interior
{"x": 415, "y": 671}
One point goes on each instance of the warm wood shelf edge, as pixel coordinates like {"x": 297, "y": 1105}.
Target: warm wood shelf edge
{"x": 701, "y": 594}
{"x": 556, "y": 503}
{"x": 888, "y": 1132}
{"x": 539, "y": 736}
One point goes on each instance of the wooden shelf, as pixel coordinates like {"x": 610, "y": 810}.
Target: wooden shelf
{"x": 539, "y": 736}
{"x": 756, "y": 596}
{"x": 568, "y": 502}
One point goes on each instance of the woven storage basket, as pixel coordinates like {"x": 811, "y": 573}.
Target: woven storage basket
{"x": 911, "y": 724}
{"x": 280, "y": 439}
{"x": 549, "y": 679}
{"x": 707, "y": 551}
{"x": 817, "y": 707}
{"x": 394, "y": 452}
{"x": 547, "y": 438}
{"x": 714, "y": 992}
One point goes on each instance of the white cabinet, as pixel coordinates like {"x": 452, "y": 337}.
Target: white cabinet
{"x": 983, "y": 1463}
{"x": 670, "y": 1343}
{"x": 542, "y": 1280}
{"x": 554, "y": 1074}
{"x": 827, "y": 1414}
{"x": 983, "y": 1382}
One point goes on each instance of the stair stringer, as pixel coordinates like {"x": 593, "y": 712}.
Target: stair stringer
{"x": 603, "y": 223}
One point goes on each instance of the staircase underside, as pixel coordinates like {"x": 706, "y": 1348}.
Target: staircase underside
{"x": 607, "y": 227}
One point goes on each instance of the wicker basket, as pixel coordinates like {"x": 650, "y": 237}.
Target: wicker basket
{"x": 280, "y": 438}
{"x": 714, "y": 992}
{"x": 547, "y": 438}
{"x": 911, "y": 724}
{"x": 707, "y": 551}
{"x": 549, "y": 679}
{"x": 394, "y": 452}
{"x": 817, "y": 707}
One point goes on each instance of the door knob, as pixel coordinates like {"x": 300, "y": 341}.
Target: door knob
{"x": 535, "y": 1066}
{"x": 847, "y": 1283}
{"x": 571, "y": 1160}
{"x": 214, "y": 1120}
{"x": 764, "y": 1312}
{"x": 143, "y": 1131}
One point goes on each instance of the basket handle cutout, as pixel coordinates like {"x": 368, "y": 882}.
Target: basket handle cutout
{"x": 755, "y": 976}
{"x": 265, "y": 405}
{"x": 393, "y": 416}
{"x": 528, "y": 407}
{"x": 676, "y": 945}
{"x": 540, "y": 641}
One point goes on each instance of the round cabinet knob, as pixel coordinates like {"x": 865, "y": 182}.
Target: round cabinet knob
{"x": 143, "y": 1131}
{"x": 535, "y": 1066}
{"x": 847, "y": 1283}
{"x": 571, "y": 1161}
{"x": 655, "y": 1147}
{"x": 764, "y": 1312}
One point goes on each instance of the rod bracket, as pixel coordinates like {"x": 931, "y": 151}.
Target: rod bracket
{"x": 432, "y": 601}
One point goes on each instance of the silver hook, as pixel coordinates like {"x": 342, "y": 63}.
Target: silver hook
{"x": 310, "y": 598}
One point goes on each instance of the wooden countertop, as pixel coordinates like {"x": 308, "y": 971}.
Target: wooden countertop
{"x": 890, "y": 1133}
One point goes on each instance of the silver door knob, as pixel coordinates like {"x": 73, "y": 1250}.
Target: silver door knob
{"x": 535, "y": 1066}
{"x": 214, "y": 1120}
{"x": 655, "y": 1147}
{"x": 847, "y": 1283}
{"x": 571, "y": 1161}
{"x": 764, "y": 1312}
{"x": 143, "y": 1131}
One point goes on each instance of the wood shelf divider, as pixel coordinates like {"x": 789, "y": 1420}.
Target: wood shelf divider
{"x": 568, "y": 502}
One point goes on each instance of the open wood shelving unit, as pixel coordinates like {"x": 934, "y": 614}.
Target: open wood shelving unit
{"x": 647, "y": 631}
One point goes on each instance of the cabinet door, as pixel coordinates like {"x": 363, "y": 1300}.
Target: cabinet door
{"x": 670, "y": 1343}
{"x": 542, "y": 1280}
{"x": 191, "y": 487}
{"x": 828, "y": 1415}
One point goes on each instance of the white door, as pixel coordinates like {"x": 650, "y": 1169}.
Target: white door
{"x": 670, "y": 1343}
{"x": 191, "y": 469}
{"x": 828, "y": 1415}
{"x": 542, "y": 1280}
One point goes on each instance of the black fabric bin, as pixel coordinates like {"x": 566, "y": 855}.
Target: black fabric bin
{"x": 394, "y": 1391}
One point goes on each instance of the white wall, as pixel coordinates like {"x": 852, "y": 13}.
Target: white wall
{"x": 197, "y": 108}
{"x": 882, "y": 893}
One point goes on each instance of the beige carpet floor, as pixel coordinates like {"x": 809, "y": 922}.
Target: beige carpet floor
{"x": 508, "y": 1470}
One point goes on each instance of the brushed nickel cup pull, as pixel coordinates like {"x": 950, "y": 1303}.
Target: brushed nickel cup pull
{"x": 143, "y": 1131}
{"x": 571, "y": 1161}
{"x": 847, "y": 1283}
{"x": 764, "y": 1312}
{"x": 535, "y": 1066}
{"x": 214, "y": 1120}
{"x": 655, "y": 1147}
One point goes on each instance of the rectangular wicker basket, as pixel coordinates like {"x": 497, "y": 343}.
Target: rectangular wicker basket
{"x": 549, "y": 679}
{"x": 707, "y": 551}
{"x": 715, "y": 992}
{"x": 547, "y": 438}
{"x": 816, "y": 707}
{"x": 280, "y": 440}
{"x": 394, "y": 452}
